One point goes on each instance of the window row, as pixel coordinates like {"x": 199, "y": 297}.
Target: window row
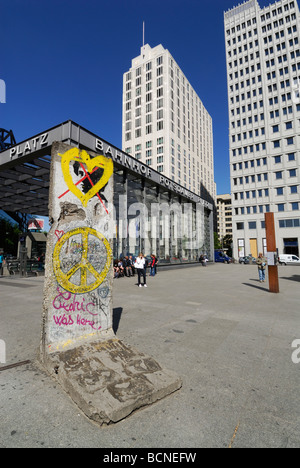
{"x": 250, "y": 164}
{"x": 138, "y": 120}
{"x": 264, "y": 177}
{"x": 232, "y": 42}
{"x": 234, "y": 76}
{"x": 249, "y": 210}
{"x": 245, "y": 48}
{"x": 284, "y": 71}
{"x": 292, "y": 190}
{"x": 279, "y": 159}
{"x": 258, "y": 194}
{"x": 263, "y": 161}
{"x": 280, "y": 34}
{"x": 273, "y": 114}
{"x": 242, "y": 26}
{"x": 253, "y": 106}
{"x": 289, "y": 223}
{"x": 244, "y": 60}
{"x": 277, "y": 11}
{"x": 288, "y": 141}
{"x": 252, "y": 69}
{"x": 283, "y": 223}
{"x": 280, "y": 174}
{"x": 275, "y": 128}
{"x": 271, "y": 50}
{"x": 285, "y": 111}
{"x": 251, "y": 133}
{"x": 294, "y": 206}
{"x": 248, "y": 149}
{"x": 148, "y": 86}
{"x": 283, "y": 84}
{"x": 148, "y": 130}
{"x": 245, "y": 84}
{"x": 160, "y": 168}
{"x": 138, "y": 92}
{"x": 149, "y": 144}
{"x": 138, "y": 71}
{"x": 264, "y": 17}
{"x": 244, "y": 96}
{"x": 279, "y": 23}
{"x": 281, "y": 59}
{"x": 242, "y": 71}
{"x": 270, "y": 38}
{"x": 255, "y": 224}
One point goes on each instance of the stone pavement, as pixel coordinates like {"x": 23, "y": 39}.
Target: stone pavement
{"x": 218, "y": 328}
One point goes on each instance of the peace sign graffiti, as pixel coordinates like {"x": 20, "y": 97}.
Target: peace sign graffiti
{"x": 81, "y": 260}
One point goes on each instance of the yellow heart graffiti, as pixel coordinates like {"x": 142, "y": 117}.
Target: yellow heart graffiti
{"x": 81, "y": 156}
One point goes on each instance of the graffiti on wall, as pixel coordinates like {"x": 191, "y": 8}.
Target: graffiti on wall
{"x": 81, "y": 260}
{"x": 81, "y": 256}
{"x": 70, "y": 309}
{"x": 93, "y": 174}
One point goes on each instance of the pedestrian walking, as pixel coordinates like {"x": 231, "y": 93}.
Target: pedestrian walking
{"x": 140, "y": 266}
{"x": 261, "y": 262}
{"x": 155, "y": 266}
{"x": 41, "y": 261}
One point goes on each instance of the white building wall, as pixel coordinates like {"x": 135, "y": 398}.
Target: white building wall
{"x": 224, "y": 215}
{"x": 165, "y": 124}
{"x": 263, "y": 62}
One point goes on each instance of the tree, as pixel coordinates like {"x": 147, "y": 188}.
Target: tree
{"x": 216, "y": 241}
{"x": 9, "y": 237}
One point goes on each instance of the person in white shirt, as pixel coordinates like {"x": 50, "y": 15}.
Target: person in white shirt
{"x": 140, "y": 266}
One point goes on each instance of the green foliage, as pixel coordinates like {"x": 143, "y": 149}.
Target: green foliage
{"x": 9, "y": 237}
{"x": 216, "y": 241}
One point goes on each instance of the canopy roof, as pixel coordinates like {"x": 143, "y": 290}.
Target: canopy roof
{"x": 25, "y": 168}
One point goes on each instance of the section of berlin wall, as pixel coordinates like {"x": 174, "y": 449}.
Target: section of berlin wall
{"x": 78, "y": 281}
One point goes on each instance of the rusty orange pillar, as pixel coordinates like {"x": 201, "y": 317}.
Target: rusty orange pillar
{"x": 271, "y": 249}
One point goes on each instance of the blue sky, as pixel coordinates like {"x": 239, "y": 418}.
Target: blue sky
{"x": 65, "y": 59}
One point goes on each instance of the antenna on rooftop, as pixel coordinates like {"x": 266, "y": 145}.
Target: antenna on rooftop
{"x": 143, "y": 39}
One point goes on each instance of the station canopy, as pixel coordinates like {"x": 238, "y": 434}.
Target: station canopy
{"x": 25, "y": 168}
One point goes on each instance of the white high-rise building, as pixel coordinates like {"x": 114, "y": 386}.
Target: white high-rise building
{"x": 165, "y": 124}
{"x": 263, "y": 70}
{"x": 224, "y": 216}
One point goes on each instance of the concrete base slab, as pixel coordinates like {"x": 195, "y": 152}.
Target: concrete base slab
{"x": 109, "y": 380}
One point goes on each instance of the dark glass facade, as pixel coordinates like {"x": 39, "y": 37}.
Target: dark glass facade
{"x": 152, "y": 219}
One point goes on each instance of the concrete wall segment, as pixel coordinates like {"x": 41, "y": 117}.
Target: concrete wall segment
{"x": 78, "y": 281}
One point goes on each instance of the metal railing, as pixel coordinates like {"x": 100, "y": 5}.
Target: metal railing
{"x": 28, "y": 268}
